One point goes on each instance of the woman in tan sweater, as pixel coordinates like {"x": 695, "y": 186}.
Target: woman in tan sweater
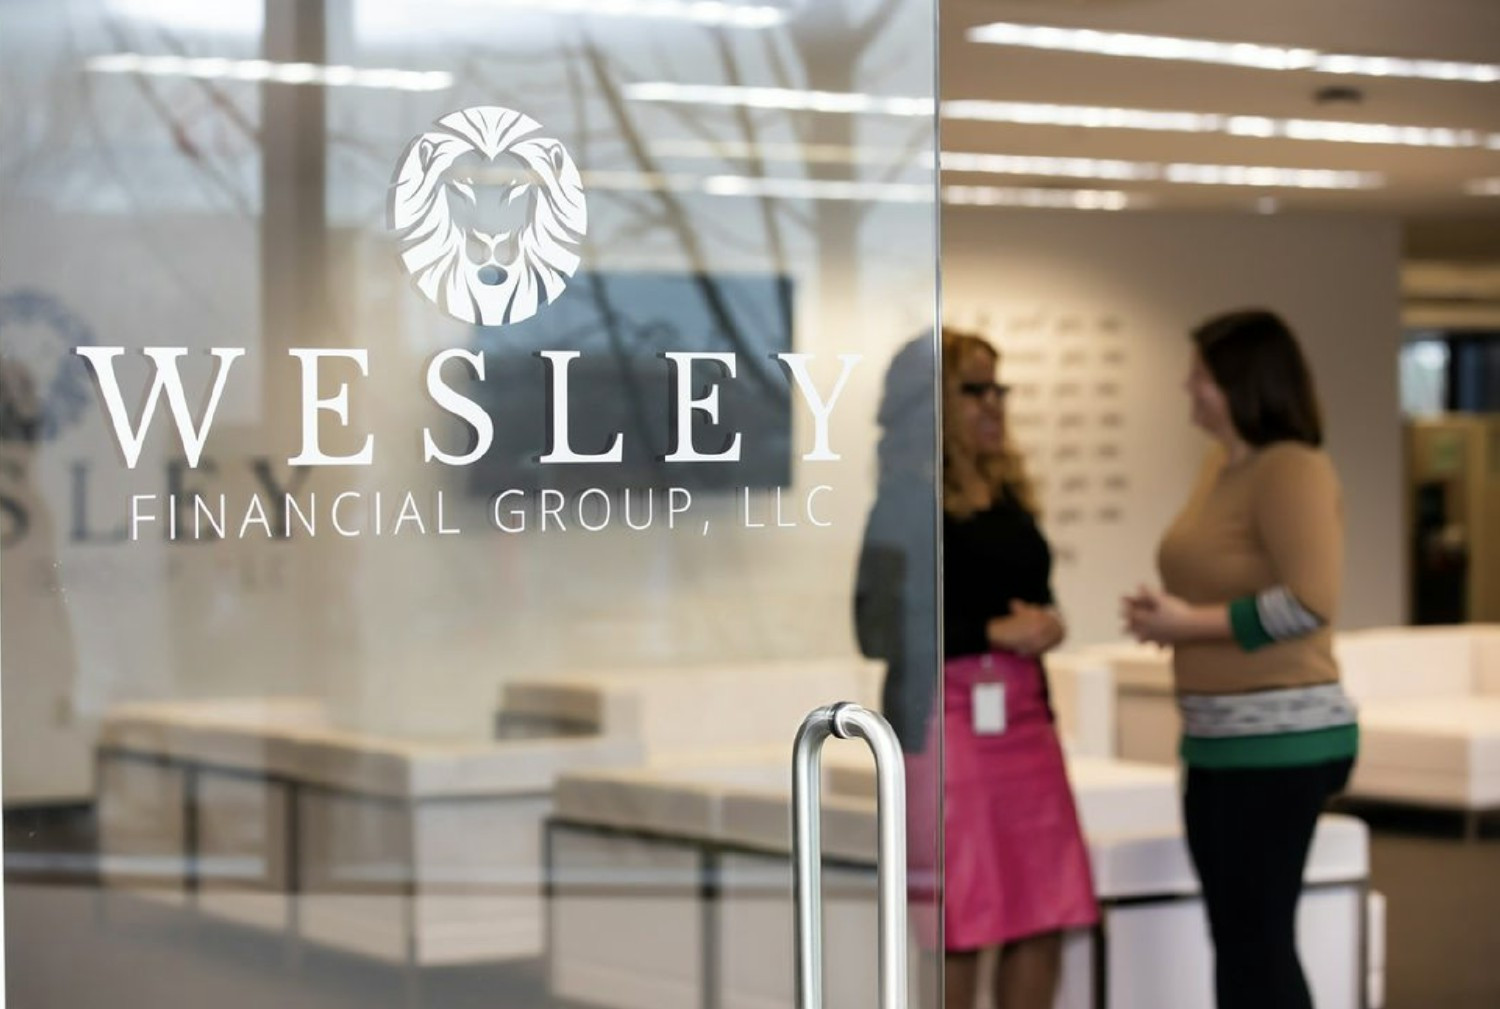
{"x": 1251, "y": 574}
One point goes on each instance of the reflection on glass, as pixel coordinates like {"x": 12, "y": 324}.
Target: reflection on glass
{"x": 434, "y": 478}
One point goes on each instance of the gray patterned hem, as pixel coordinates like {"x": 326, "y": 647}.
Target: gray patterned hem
{"x": 1265, "y": 713}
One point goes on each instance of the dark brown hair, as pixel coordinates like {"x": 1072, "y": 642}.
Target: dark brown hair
{"x": 1254, "y": 358}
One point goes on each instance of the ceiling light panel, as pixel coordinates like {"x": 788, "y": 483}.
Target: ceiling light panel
{"x": 1081, "y": 116}
{"x": 1333, "y": 132}
{"x": 1270, "y": 178}
{"x": 1177, "y": 173}
{"x": 1094, "y": 169}
{"x": 859, "y": 191}
{"x": 219, "y": 68}
{"x": 1062, "y": 168}
{"x": 788, "y": 99}
{"x": 1232, "y": 54}
{"x": 705, "y": 12}
{"x": 1044, "y": 199}
{"x": 1077, "y": 116}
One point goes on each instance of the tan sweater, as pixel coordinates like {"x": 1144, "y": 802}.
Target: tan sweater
{"x": 1274, "y": 519}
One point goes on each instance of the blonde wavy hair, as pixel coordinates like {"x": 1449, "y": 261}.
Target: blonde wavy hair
{"x": 972, "y": 480}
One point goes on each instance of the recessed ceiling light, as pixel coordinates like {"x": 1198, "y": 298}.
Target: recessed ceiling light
{"x": 1077, "y": 116}
{"x": 1176, "y": 172}
{"x": 1112, "y": 170}
{"x": 1329, "y": 131}
{"x": 1233, "y": 54}
{"x": 707, "y": 12}
{"x": 953, "y": 161}
{"x": 1082, "y": 116}
{"x": 859, "y": 191}
{"x": 218, "y": 68}
{"x": 222, "y": 17}
{"x": 1271, "y": 178}
{"x": 744, "y": 150}
{"x": 817, "y": 189}
{"x": 788, "y": 99}
{"x": 1103, "y": 117}
{"x": 1063, "y": 168}
{"x": 1047, "y": 199}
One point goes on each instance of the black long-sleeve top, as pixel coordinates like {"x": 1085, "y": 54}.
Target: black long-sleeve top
{"x": 989, "y": 559}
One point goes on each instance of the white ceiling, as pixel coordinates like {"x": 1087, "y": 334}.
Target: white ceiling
{"x": 1424, "y": 186}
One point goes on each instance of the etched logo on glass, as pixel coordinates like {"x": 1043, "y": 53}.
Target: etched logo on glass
{"x": 489, "y": 213}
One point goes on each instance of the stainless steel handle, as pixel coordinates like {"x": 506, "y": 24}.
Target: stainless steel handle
{"x": 848, "y": 721}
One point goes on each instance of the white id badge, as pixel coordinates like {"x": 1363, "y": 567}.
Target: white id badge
{"x": 989, "y": 709}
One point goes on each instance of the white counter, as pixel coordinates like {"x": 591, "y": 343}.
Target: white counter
{"x": 700, "y": 855}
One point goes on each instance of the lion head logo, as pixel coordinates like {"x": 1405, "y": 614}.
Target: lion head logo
{"x": 488, "y": 213}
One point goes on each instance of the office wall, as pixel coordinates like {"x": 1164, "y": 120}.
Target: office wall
{"x": 1094, "y": 311}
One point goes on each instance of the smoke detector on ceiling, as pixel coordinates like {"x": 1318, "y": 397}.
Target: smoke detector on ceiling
{"x": 1339, "y": 94}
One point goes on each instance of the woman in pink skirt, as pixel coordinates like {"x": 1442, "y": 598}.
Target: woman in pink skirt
{"x": 1015, "y": 871}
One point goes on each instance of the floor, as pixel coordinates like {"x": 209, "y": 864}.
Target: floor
{"x": 1443, "y": 894}
{"x": 147, "y": 958}
{"x": 61, "y": 951}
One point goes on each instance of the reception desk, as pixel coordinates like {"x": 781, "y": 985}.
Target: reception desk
{"x": 423, "y": 852}
{"x": 418, "y": 852}
{"x": 194, "y": 802}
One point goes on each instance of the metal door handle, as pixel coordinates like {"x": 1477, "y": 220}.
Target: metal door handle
{"x": 848, "y": 721}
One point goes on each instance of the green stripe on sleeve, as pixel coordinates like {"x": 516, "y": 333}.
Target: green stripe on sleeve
{"x": 1244, "y": 619}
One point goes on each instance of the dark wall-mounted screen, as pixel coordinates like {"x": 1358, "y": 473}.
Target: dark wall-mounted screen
{"x": 622, "y": 324}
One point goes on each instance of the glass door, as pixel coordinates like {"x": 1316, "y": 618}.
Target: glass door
{"x": 447, "y": 449}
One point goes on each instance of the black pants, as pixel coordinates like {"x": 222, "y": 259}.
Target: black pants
{"x": 1249, "y": 832}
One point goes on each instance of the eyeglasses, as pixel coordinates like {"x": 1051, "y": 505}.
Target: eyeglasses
{"x": 983, "y": 390}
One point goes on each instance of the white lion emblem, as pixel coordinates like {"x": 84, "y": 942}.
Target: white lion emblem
{"x": 489, "y": 214}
